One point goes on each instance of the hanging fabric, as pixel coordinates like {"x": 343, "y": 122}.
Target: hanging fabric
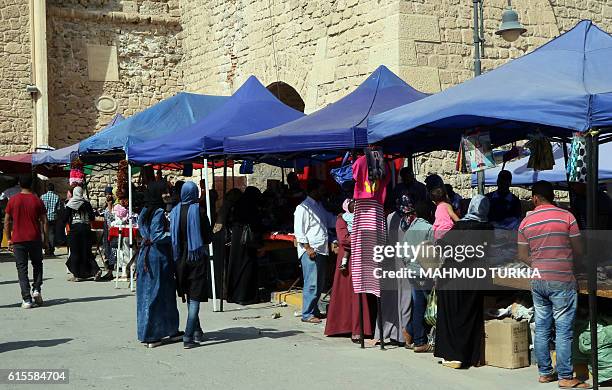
{"x": 576, "y": 164}
{"x": 478, "y": 151}
{"x": 343, "y": 173}
{"x": 460, "y": 164}
{"x": 541, "y": 157}
{"x": 376, "y": 163}
{"x": 246, "y": 167}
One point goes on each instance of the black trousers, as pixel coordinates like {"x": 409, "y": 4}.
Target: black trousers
{"x": 33, "y": 251}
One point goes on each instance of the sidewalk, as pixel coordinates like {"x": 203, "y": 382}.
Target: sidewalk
{"x": 90, "y": 328}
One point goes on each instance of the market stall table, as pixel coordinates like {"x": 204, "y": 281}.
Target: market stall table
{"x": 604, "y": 287}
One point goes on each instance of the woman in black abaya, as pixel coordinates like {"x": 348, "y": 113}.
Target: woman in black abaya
{"x": 460, "y": 322}
{"x": 242, "y": 281}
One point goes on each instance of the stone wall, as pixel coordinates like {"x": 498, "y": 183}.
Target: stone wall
{"x": 148, "y": 57}
{"x": 16, "y": 108}
{"x": 145, "y": 34}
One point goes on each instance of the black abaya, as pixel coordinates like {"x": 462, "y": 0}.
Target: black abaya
{"x": 192, "y": 276}
{"x": 460, "y": 320}
{"x": 82, "y": 262}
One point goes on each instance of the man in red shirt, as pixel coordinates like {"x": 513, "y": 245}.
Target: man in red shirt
{"x": 548, "y": 240}
{"x": 25, "y": 221}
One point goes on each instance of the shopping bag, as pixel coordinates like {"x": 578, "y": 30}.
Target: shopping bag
{"x": 431, "y": 311}
{"x": 344, "y": 173}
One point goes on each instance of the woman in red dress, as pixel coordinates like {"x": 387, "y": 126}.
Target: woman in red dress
{"x": 343, "y": 311}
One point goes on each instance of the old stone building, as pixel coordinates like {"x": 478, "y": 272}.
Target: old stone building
{"x": 91, "y": 59}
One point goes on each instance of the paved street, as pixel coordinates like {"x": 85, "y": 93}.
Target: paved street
{"x": 90, "y": 329}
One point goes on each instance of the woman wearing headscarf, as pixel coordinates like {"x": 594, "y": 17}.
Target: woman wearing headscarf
{"x": 242, "y": 268}
{"x": 343, "y": 311}
{"x": 81, "y": 263}
{"x": 156, "y": 314}
{"x": 191, "y": 233}
{"x": 396, "y": 293}
{"x": 460, "y": 323}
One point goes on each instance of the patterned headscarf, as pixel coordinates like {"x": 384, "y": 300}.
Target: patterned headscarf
{"x": 405, "y": 208}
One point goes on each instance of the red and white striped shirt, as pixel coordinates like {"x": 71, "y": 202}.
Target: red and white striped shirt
{"x": 547, "y": 230}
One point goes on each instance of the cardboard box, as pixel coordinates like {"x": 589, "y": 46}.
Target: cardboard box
{"x": 507, "y": 343}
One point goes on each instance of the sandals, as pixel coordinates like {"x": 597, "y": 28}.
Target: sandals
{"x": 423, "y": 348}
{"x": 548, "y": 378}
{"x": 574, "y": 383}
{"x": 455, "y": 364}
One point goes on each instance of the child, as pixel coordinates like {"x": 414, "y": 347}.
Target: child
{"x": 445, "y": 216}
{"x": 349, "y": 208}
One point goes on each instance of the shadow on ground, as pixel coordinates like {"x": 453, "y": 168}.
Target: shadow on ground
{"x": 62, "y": 301}
{"x": 5, "y": 282}
{"x": 17, "y": 345}
{"x": 229, "y": 335}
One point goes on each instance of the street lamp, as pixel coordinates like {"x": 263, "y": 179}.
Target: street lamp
{"x": 510, "y": 30}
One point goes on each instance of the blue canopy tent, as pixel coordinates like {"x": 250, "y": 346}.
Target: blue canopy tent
{"x": 176, "y": 112}
{"x": 340, "y": 125}
{"x": 66, "y": 155}
{"x": 524, "y": 176}
{"x": 561, "y": 87}
{"x": 250, "y": 109}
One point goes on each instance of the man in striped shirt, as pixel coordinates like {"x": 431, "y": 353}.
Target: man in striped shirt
{"x": 549, "y": 239}
{"x": 51, "y": 201}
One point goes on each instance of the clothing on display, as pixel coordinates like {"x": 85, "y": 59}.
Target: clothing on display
{"x": 365, "y": 187}
{"x": 376, "y": 163}
{"x": 369, "y": 231}
{"x": 541, "y": 157}
{"x": 576, "y": 164}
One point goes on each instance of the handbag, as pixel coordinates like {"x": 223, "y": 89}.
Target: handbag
{"x": 344, "y": 173}
{"x": 431, "y": 311}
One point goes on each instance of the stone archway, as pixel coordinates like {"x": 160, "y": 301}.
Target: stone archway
{"x": 287, "y": 94}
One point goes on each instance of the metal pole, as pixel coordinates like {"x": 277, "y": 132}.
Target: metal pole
{"x": 592, "y": 149}
{"x": 361, "y": 333}
{"x": 480, "y": 175}
{"x": 380, "y": 324}
{"x": 210, "y": 246}
{"x": 223, "y": 253}
{"x": 131, "y": 239}
{"x": 233, "y": 174}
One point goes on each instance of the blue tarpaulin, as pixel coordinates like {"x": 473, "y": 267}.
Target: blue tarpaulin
{"x": 340, "y": 125}
{"x": 179, "y": 111}
{"x": 524, "y": 176}
{"x": 250, "y": 109}
{"x": 67, "y": 154}
{"x": 563, "y": 86}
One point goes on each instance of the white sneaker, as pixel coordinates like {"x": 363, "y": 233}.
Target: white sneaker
{"x": 37, "y": 296}
{"x": 28, "y": 304}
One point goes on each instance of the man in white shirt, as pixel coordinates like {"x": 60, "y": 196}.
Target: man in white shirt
{"x": 311, "y": 222}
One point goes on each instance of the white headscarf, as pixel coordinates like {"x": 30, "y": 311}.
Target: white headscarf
{"x": 77, "y": 199}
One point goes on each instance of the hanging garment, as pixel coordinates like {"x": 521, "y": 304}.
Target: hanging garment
{"x": 478, "y": 151}
{"x": 376, "y": 163}
{"x": 396, "y": 293}
{"x": 366, "y": 188}
{"x": 541, "y": 157}
{"x": 368, "y": 232}
{"x": 576, "y": 164}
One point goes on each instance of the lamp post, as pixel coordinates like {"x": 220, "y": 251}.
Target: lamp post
{"x": 510, "y": 30}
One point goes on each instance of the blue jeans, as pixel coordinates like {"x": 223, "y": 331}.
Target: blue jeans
{"x": 314, "y": 281}
{"x": 554, "y": 301}
{"x": 193, "y": 320}
{"x": 417, "y": 327}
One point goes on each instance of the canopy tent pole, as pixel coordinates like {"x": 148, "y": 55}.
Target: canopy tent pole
{"x": 214, "y": 187}
{"x": 592, "y": 150}
{"x": 282, "y": 175}
{"x": 131, "y": 234}
{"x": 361, "y": 334}
{"x": 233, "y": 175}
{"x": 480, "y": 175}
{"x": 210, "y": 246}
{"x": 223, "y": 254}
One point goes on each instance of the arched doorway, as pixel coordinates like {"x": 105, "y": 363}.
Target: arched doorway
{"x": 287, "y": 94}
